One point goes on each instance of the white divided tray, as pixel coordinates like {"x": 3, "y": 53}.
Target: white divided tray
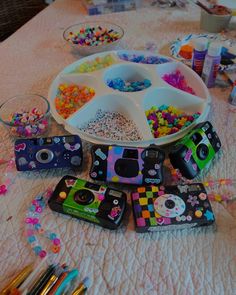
{"x": 131, "y": 104}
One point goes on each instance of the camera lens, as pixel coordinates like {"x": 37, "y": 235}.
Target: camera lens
{"x": 44, "y": 156}
{"x": 170, "y": 204}
{"x": 202, "y": 151}
{"x": 84, "y": 197}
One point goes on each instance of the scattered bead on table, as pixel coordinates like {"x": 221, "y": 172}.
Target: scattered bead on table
{"x": 95, "y": 64}
{"x": 112, "y": 125}
{"x": 128, "y": 86}
{"x": 139, "y": 58}
{"x": 72, "y": 97}
{"x": 28, "y": 123}
{"x": 177, "y": 80}
{"x": 165, "y": 120}
{"x": 93, "y": 36}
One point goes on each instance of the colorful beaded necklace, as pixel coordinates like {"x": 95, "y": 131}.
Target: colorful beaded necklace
{"x": 34, "y": 227}
{"x": 177, "y": 177}
{"x": 7, "y": 175}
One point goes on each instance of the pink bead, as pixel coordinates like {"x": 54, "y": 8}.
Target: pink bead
{"x": 35, "y": 220}
{"x": 28, "y": 220}
{"x": 56, "y": 241}
{"x": 35, "y": 203}
{"x": 38, "y": 209}
{"x": 42, "y": 254}
{"x": 30, "y": 232}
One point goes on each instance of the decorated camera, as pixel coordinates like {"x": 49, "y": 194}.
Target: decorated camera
{"x": 89, "y": 201}
{"x": 50, "y": 152}
{"x": 129, "y": 165}
{"x": 196, "y": 150}
{"x": 171, "y": 207}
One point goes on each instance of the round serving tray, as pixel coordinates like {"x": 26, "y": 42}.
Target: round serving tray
{"x": 131, "y": 104}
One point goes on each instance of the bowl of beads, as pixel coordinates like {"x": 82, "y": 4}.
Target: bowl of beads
{"x": 93, "y": 37}
{"x": 26, "y": 115}
{"x": 130, "y": 98}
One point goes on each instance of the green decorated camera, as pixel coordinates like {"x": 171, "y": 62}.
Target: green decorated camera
{"x": 89, "y": 201}
{"x": 196, "y": 150}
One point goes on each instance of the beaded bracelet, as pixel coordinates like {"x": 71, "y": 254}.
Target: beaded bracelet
{"x": 8, "y": 175}
{"x": 177, "y": 177}
{"x": 34, "y": 227}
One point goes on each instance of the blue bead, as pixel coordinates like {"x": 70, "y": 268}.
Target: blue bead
{"x": 37, "y": 249}
{"x": 52, "y": 236}
{"x": 37, "y": 226}
{"x": 31, "y": 239}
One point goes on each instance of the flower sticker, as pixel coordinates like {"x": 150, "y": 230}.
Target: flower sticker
{"x": 192, "y": 200}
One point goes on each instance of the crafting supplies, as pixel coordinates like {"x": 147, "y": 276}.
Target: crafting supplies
{"x": 211, "y": 64}
{"x": 199, "y": 53}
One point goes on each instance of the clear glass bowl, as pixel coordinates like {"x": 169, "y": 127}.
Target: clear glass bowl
{"x": 91, "y": 49}
{"x": 26, "y": 115}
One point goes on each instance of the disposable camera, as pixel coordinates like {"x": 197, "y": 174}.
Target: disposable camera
{"x": 91, "y": 202}
{"x": 158, "y": 208}
{"x": 196, "y": 150}
{"x": 129, "y": 165}
{"x": 50, "y": 152}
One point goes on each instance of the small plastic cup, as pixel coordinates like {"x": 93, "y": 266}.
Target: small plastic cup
{"x": 26, "y": 116}
{"x": 214, "y": 23}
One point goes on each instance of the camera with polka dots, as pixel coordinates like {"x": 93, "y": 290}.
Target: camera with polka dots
{"x": 49, "y": 152}
{"x": 158, "y": 208}
{"x": 129, "y": 165}
{"x": 91, "y": 202}
{"x": 196, "y": 150}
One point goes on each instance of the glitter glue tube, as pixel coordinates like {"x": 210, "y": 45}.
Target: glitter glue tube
{"x": 211, "y": 64}
{"x": 199, "y": 53}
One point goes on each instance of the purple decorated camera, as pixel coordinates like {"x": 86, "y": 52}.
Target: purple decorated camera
{"x": 129, "y": 165}
{"x": 50, "y": 152}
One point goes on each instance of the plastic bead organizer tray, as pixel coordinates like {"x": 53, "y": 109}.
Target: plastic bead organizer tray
{"x": 131, "y": 104}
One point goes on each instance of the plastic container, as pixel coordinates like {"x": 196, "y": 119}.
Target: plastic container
{"x": 199, "y": 54}
{"x": 211, "y": 64}
{"x": 132, "y": 105}
{"x": 89, "y": 49}
{"x": 94, "y": 7}
{"x": 213, "y": 23}
{"x": 26, "y": 115}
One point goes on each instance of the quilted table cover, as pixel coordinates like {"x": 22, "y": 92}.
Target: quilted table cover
{"x": 198, "y": 261}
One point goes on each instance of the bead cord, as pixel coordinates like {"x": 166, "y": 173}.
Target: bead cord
{"x": 34, "y": 227}
{"x": 177, "y": 177}
{"x": 7, "y": 175}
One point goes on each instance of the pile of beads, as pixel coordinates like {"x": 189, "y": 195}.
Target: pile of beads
{"x": 72, "y": 97}
{"x": 165, "y": 120}
{"x": 137, "y": 58}
{"x": 177, "y": 80}
{"x": 28, "y": 123}
{"x": 93, "y": 36}
{"x": 112, "y": 125}
{"x": 34, "y": 227}
{"x": 95, "y": 64}
{"x": 126, "y": 86}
